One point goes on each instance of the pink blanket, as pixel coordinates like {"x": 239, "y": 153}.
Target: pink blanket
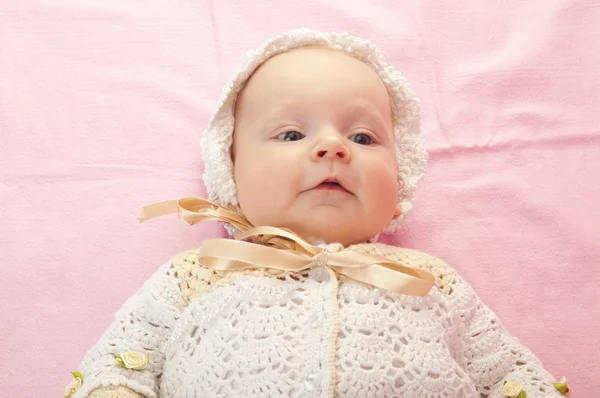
{"x": 103, "y": 103}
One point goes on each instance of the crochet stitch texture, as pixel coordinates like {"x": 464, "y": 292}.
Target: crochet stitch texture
{"x": 309, "y": 334}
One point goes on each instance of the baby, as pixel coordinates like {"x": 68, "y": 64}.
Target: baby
{"x": 316, "y": 143}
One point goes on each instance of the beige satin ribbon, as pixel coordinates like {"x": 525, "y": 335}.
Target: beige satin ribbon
{"x": 281, "y": 249}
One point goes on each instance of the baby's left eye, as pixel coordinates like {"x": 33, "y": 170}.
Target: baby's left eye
{"x": 362, "y": 139}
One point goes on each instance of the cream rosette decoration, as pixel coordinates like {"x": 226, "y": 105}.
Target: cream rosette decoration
{"x": 513, "y": 390}
{"x": 73, "y": 386}
{"x": 132, "y": 360}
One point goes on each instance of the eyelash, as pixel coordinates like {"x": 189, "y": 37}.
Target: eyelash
{"x": 290, "y": 131}
{"x": 371, "y": 140}
{"x": 283, "y": 135}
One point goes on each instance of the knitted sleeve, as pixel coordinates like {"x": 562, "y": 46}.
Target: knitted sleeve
{"x": 143, "y": 324}
{"x": 490, "y": 355}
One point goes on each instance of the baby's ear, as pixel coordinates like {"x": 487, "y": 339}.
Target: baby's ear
{"x": 397, "y": 212}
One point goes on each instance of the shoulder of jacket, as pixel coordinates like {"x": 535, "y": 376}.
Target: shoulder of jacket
{"x": 188, "y": 256}
{"x": 444, "y": 274}
{"x": 194, "y": 278}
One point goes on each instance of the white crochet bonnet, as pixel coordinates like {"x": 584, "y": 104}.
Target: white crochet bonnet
{"x": 218, "y": 136}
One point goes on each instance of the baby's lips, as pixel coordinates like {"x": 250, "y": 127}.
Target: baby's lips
{"x": 334, "y": 179}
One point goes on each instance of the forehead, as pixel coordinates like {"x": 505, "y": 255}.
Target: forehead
{"x": 310, "y": 74}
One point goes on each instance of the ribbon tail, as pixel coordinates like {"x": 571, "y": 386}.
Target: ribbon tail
{"x": 412, "y": 282}
{"x": 158, "y": 209}
{"x": 193, "y": 211}
{"x": 196, "y": 210}
{"x": 383, "y": 273}
{"x": 231, "y": 255}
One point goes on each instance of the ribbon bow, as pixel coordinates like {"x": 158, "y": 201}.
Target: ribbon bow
{"x": 280, "y": 248}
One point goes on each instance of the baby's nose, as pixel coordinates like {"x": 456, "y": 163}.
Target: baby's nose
{"x": 331, "y": 148}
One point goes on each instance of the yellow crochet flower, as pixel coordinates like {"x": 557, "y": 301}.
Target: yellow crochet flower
{"x": 73, "y": 386}
{"x": 563, "y": 387}
{"x": 132, "y": 360}
{"x": 513, "y": 390}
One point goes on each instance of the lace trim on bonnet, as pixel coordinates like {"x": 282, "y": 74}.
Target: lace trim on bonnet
{"x": 410, "y": 148}
{"x": 197, "y": 280}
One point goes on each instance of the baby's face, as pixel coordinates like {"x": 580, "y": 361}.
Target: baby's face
{"x": 307, "y": 116}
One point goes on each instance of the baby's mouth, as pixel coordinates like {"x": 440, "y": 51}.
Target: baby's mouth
{"x": 331, "y": 185}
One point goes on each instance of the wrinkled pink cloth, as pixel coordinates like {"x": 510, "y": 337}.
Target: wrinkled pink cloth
{"x": 102, "y": 105}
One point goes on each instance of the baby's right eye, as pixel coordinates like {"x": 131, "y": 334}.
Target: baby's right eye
{"x": 290, "y": 136}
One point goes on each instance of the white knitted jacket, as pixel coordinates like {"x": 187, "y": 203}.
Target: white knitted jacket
{"x": 311, "y": 334}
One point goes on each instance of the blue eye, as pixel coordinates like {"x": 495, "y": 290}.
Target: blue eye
{"x": 290, "y": 136}
{"x": 361, "y": 139}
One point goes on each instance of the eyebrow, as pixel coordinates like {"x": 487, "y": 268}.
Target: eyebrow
{"x": 359, "y": 109}
{"x": 368, "y": 109}
{"x": 372, "y": 114}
